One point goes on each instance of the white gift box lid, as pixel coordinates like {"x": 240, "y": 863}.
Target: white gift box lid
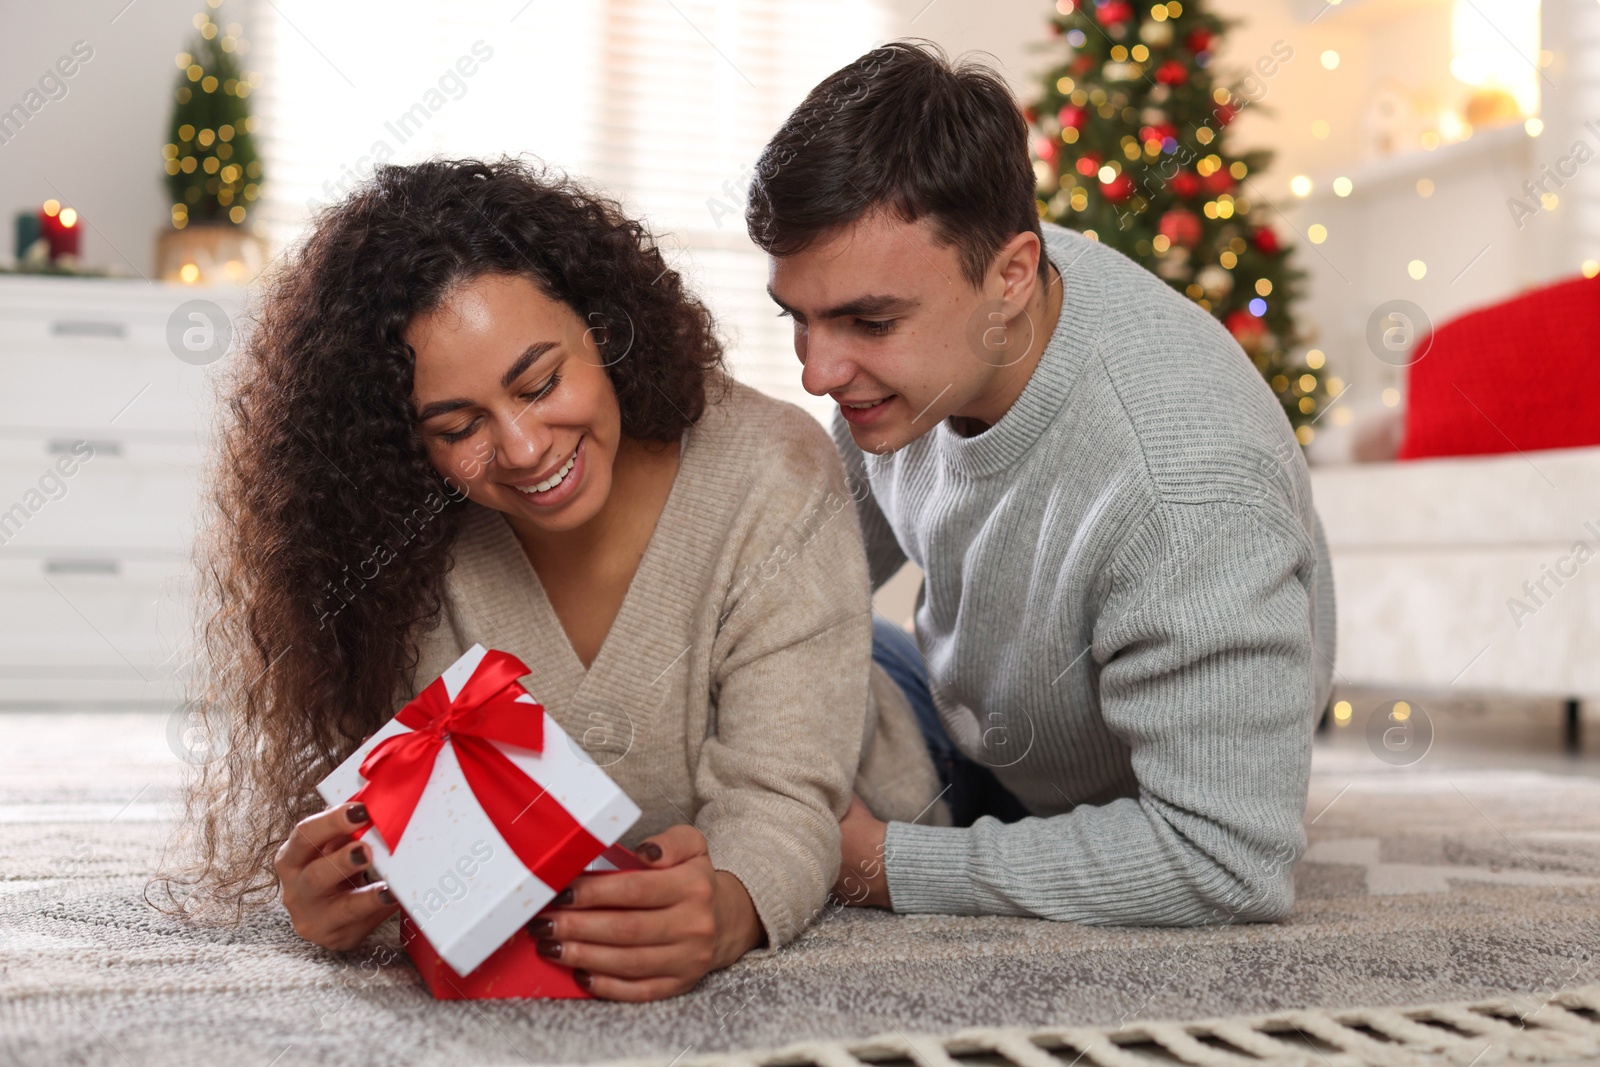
{"x": 453, "y": 873}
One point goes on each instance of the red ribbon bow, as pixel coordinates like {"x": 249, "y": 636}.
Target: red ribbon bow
{"x": 542, "y": 833}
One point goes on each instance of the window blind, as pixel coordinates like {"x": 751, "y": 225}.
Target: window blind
{"x": 664, "y": 104}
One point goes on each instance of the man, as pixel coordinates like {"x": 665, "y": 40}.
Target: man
{"x": 1127, "y": 612}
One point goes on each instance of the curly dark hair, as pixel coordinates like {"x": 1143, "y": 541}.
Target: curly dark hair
{"x": 330, "y": 533}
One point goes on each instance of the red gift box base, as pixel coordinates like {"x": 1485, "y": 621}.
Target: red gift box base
{"x": 514, "y": 970}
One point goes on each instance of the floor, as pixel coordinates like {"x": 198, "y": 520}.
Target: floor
{"x": 1470, "y": 871}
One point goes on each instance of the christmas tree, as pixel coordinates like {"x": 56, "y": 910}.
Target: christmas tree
{"x": 213, "y": 174}
{"x": 1129, "y": 137}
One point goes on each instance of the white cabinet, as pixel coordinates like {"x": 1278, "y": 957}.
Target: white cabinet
{"x": 106, "y": 402}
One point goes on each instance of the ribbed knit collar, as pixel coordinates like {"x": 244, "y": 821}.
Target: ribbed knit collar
{"x": 1070, "y": 345}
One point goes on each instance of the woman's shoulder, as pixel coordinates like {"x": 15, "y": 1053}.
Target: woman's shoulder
{"x": 765, "y": 431}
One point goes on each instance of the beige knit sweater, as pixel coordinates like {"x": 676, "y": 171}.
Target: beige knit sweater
{"x": 735, "y": 689}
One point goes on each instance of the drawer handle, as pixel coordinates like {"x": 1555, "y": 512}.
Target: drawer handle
{"x": 82, "y": 566}
{"x": 87, "y": 328}
{"x": 61, "y": 446}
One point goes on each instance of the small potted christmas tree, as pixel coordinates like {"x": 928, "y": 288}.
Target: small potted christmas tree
{"x": 213, "y": 172}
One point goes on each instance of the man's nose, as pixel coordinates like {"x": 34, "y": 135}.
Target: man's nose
{"x": 826, "y": 366}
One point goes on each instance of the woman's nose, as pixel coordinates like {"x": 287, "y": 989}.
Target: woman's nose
{"x": 521, "y": 442}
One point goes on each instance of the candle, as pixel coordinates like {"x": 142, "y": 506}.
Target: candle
{"x": 59, "y": 226}
{"x": 27, "y": 233}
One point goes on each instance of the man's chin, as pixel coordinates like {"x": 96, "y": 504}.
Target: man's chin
{"x": 880, "y": 440}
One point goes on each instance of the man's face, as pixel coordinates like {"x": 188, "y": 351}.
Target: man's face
{"x": 886, "y": 324}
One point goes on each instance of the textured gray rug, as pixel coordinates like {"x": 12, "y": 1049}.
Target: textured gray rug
{"x": 1423, "y": 884}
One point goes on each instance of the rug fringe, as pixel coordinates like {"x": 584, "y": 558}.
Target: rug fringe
{"x": 1563, "y": 1028}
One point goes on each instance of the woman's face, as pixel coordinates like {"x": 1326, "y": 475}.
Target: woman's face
{"x": 513, "y": 402}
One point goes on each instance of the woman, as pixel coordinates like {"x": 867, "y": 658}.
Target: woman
{"x": 478, "y": 407}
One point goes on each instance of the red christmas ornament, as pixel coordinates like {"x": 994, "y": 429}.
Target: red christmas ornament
{"x": 1181, "y": 227}
{"x": 1082, "y": 63}
{"x": 1218, "y": 182}
{"x": 1245, "y": 327}
{"x": 1172, "y": 73}
{"x": 1157, "y": 133}
{"x": 1117, "y": 189}
{"x": 1045, "y": 148}
{"x": 1114, "y": 12}
{"x": 1266, "y": 240}
{"x": 1185, "y": 184}
{"x": 1199, "y": 40}
{"x": 1029, "y": 115}
{"x": 1225, "y": 114}
{"x": 1071, "y": 115}
{"x": 1088, "y": 164}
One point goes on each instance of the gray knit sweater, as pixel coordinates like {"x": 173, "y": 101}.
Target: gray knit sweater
{"x": 1127, "y": 612}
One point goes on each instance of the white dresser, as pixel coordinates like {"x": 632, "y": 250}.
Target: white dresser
{"x": 103, "y": 430}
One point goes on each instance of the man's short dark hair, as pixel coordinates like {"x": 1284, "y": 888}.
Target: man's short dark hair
{"x": 904, "y": 129}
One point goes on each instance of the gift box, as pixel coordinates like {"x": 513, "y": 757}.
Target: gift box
{"x": 515, "y": 969}
{"x": 482, "y": 809}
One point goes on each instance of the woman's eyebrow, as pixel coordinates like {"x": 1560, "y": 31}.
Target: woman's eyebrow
{"x": 524, "y": 361}
{"x": 515, "y": 371}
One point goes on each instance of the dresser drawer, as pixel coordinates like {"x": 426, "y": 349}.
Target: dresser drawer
{"x": 90, "y": 355}
{"x": 93, "y": 393}
{"x": 107, "y": 492}
{"x": 79, "y": 625}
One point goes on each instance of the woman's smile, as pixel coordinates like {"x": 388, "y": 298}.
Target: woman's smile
{"x": 557, "y": 487}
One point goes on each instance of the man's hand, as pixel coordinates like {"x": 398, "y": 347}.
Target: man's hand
{"x": 643, "y": 935}
{"x": 862, "y": 878}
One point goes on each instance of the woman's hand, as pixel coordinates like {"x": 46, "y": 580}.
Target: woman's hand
{"x": 643, "y": 935}
{"x": 321, "y": 870}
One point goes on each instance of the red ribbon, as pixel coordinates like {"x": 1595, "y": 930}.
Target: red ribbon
{"x": 542, "y": 833}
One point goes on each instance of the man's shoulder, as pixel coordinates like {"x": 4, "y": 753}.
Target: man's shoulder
{"x": 1205, "y": 423}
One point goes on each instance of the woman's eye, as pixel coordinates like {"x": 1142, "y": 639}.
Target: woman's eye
{"x": 456, "y": 435}
{"x": 544, "y": 390}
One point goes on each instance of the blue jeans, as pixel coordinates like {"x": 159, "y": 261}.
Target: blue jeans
{"x": 970, "y": 788}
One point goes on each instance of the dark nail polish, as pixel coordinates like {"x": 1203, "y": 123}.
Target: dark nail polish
{"x": 649, "y": 852}
{"x": 386, "y": 896}
{"x": 582, "y": 978}
{"x": 356, "y": 813}
{"x": 358, "y": 856}
{"x": 367, "y": 877}
{"x": 541, "y": 928}
{"x": 548, "y": 948}
{"x": 563, "y": 899}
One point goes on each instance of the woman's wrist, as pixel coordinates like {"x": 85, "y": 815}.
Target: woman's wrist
{"x": 739, "y": 928}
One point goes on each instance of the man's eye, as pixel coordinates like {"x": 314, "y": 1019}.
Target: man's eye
{"x": 876, "y": 327}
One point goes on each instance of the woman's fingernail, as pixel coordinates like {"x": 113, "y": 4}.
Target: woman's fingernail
{"x": 649, "y": 851}
{"x": 356, "y": 813}
{"x": 386, "y": 896}
{"x": 358, "y": 856}
{"x": 541, "y": 928}
{"x": 563, "y": 898}
{"x": 548, "y": 948}
{"x": 582, "y": 978}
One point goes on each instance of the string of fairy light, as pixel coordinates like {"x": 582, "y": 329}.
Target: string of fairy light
{"x": 211, "y": 150}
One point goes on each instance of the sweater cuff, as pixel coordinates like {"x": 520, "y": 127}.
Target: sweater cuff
{"x": 777, "y": 895}
{"x": 929, "y": 870}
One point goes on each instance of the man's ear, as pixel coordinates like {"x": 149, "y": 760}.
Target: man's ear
{"x": 1016, "y": 268}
